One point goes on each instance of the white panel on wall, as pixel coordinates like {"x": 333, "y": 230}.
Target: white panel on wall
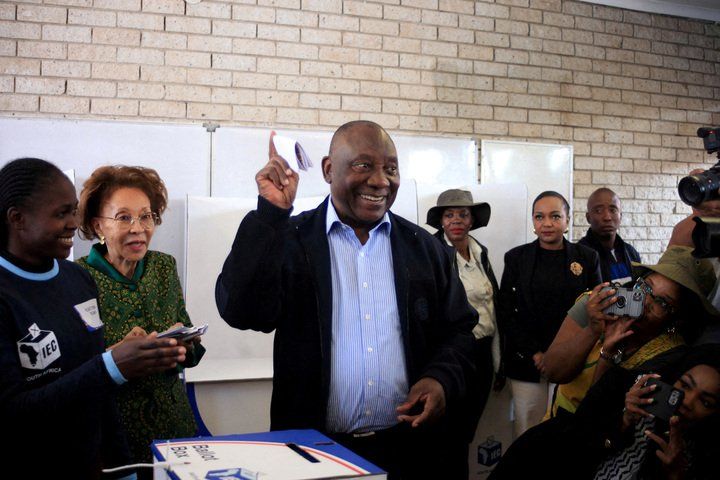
{"x": 506, "y": 228}
{"x": 538, "y": 165}
{"x": 239, "y": 153}
{"x": 180, "y": 154}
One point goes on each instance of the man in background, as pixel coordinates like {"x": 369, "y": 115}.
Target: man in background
{"x": 604, "y": 213}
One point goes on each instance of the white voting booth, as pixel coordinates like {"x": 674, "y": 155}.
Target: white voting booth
{"x": 210, "y": 180}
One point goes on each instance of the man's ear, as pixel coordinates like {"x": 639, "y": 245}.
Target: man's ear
{"x": 15, "y": 219}
{"x": 327, "y": 169}
{"x": 587, "y": 216}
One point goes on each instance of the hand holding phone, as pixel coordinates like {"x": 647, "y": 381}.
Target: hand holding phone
{"x": 183, "y": 333}
{"x": 666, "y": 399}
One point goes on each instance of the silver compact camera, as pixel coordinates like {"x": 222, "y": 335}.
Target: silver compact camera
{"x": 629, "y": 302}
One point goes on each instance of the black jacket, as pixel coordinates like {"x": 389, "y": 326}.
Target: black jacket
{"x": 277, "y": 277}
{"x": 522, "y": 333}
{"x": 624, "y": 252}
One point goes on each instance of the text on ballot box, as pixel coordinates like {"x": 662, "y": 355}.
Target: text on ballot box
{"x": 278, "y": 455}
{"x": 38, "y": 349}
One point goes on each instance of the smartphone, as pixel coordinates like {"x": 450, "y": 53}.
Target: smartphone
{"x": 183, "y": 333}
{"x": 666, "y": 400}
{"x": 629, "y": 302}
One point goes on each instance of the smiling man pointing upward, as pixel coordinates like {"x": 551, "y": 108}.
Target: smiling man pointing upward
{"x": 372, "y": 326}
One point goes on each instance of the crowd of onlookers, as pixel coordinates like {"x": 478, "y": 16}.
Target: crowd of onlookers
{"x": 387, "y": 339}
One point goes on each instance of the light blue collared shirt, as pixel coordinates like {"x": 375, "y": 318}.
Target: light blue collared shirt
{"x": 368, "y": 375}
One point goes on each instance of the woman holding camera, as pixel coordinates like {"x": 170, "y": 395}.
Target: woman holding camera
{"x": 139, "y": 292}
{"x": 540, "y": 283}
{"x": 615, "y": 436}
{"x": 673, "y": 311}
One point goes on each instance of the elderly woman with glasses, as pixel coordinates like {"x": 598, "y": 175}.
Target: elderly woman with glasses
{"x": 140, "y": 293}
{"x": 675, "y": 309}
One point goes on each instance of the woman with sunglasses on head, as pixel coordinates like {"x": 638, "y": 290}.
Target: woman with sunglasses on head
{"x": 57, "y": 382}
{"x": 139, "y": 292}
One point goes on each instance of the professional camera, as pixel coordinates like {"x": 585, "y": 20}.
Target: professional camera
{"x": 629, "y": 302}
{"x": 695, "y": 189}
{"x": 706, "y": 237}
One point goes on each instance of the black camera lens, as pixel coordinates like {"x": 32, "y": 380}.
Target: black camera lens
{"x": 620, "y": 302}
{"x": 695, "y": 189}
{"x": 706, "y": 237}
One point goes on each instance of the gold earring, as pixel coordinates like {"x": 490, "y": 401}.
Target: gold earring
{"x": 102, "y": 239}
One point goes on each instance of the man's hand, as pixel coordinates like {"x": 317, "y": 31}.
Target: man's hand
{"x": 141, "y": 356}
{"x": 277, "y": 182}
{"x": 427, "y": 394}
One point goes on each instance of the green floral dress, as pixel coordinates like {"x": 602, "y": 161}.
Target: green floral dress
{"x": 154, "y": 407}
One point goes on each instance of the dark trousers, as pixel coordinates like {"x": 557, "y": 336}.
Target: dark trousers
{"x": 405, "y": 453}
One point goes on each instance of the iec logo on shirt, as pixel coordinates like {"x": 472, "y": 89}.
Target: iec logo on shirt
{"x": 38, "y": 349}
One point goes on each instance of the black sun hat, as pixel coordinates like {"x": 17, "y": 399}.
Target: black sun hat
{"x": 455, "y": 198}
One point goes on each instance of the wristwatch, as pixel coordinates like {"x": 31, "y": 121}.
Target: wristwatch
{"x": 614, "y": 358}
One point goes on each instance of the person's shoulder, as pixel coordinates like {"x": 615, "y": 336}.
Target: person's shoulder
{"x": 519, "y": 250}
{"x": 583, "y": 250}
{"x": 74, "y": 270}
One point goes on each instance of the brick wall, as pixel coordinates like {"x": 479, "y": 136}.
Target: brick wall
{"x": 627, "y": 89}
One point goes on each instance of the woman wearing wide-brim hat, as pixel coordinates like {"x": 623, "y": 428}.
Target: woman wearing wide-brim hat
{"x": 455, "y": 215}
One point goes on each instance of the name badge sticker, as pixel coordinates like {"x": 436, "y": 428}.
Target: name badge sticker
{"x": 90, "y": 314}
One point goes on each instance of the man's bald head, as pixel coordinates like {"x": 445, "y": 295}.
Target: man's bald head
{"x": 604, "y": 213}
{"x": 357, "y": 130}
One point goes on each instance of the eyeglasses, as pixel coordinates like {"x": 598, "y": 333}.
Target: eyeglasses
{"x": 146, "y": 220}
{"x": 645, "y": 287}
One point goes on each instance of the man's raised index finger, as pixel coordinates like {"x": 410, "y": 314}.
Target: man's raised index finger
{"x": 272, "y": 152}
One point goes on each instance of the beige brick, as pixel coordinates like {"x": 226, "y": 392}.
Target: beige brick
{"x": 141, "y": 21}
{"x": 475, "y": 52}
{"x": 421, "y": 62}
{"x": 454, "y": 125}
{"x": 297, "y": 116}
{"x": 362, "y": 9}
{"x": 254, "y": 47}
{"x": 18, "y": 103}
{"x": 188, "y": 59}
{"x": 339, "y": 54}
{"x": 421, "y": 124}
{"x": 108, "y": 106}
{"x": 439, "y": 79}
{"x": 456, "y": 95}
{"x": 419, "y": 31}
{"x": 64, "y": 104}
{"x": 188, "y": 25}
{"x": 150, "y": 73}
{"x": 8, "y": 48}
{"x": 209, "y": 9}
{"x": 90, "y": 88}
{"x": 362, "y": 104}
{"x": 409, "y": 45}
{"x": 234, "y": 29}
{"x": 362, "y": 72}
{"x": 298, "y": 18}
{"x": 91, "y": 53}
{"x": 7, "y": 84}
{"x": 255, "y": 115}
{"x": 162, "y": 109}
{"x": 320, "y": 101}
{"x": 481, "y": 24}
{"x": 164, "y": 6}
{"x": 619, "y": 164}
{"x": 491, "y": 10}
{"x": 278, "y": 65}
{"x": 214, "y": 44}
{"x": 577, "y": 36}
{"x": 144, "y": 56}
{"x": 60, "y": 68}
{"x": 339, "y": 22}
{"x": 209, "y": 111}
{"x": 490, "y": 98}
{"x": 42, "y": 14}
{"x": 233, "y": 96}
{"x": 252, "y": 80}
{"x": 99, "y": 18}
{"x": 438, "y": 109}
{"x": 321, "y": 69}
{"x": 65, "y": 33}
{"x": 127, "y": 5}
{"x": 321, "y": 37}
{"x": 48, "y": 86}
{"x": 386, "y": 59}
{"x": 277, "y": 98}
{"x": 488, "y": 127}
{"x": 209, "y": 77}
{"x": 195, "y": 93}
{"x": 116, "y": 36}
{"x": 7, "y": 12}
{"x": 115, "y": 71}
{"x": 279, "y": 33}
{"x": 418, "y": 92}
{"x": 477, "y": 112}
{"x": 403, "y": 107}
{"x": 41, "y": 49}
{"x": 557, "y": 75}
{"x": 444, "y": 49}
{"x": 492, "y": 39}
{"x": 543, "y": 88}
{"x": 146, "y": 90}
{"x": 329, "y": 6}
{"x": 512, "y": 27}
{"x": 379, "y": 89}
{"x": 335, "y": 85}
{"x": 544, "y": 117}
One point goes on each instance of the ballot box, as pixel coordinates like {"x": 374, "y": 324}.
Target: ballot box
{"x": 279, "y": 455}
